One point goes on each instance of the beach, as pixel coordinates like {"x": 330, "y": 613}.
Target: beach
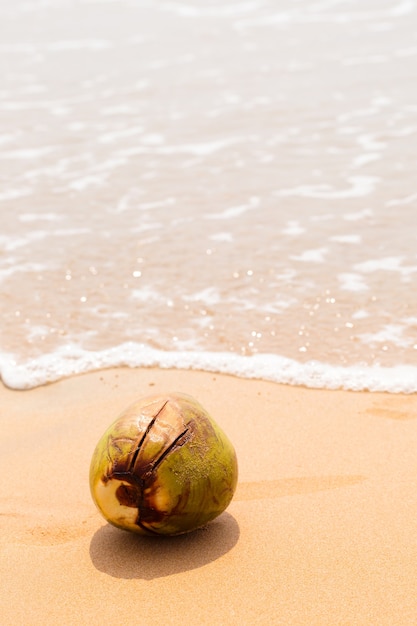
{"x": 217, "y": 199}
{"x": 321, "y": 529}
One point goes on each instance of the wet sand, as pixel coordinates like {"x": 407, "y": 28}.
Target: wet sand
{"x": 321, "y": 529}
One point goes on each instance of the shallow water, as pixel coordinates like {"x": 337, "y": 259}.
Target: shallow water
{"x": 228, "y": 186}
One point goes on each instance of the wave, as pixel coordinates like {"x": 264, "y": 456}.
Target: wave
{"x": 71, "y": 360}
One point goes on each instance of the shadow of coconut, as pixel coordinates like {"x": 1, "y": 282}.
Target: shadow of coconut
{"x": 122, "y": 554}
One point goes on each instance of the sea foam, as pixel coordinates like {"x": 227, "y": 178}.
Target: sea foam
{"x": 72, "y": 360}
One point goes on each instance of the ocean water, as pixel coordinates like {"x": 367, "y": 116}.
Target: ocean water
{"x": 229, "y": 186}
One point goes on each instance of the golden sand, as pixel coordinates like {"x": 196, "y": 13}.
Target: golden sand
{"x": 322, "y": 529}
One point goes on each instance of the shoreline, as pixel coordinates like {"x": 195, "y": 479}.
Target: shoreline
{"x": 320, "y": 531}
{"x": 312, "y": 374}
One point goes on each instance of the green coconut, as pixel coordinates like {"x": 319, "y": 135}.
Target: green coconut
{"x": 163, "y": 467}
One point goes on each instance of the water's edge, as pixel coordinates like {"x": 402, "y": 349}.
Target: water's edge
{"x": 73, "y": 360}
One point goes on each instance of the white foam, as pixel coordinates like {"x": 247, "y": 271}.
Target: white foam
{"x": 234, "y": 211}
{"x": 403, "y": 8}
{"x": 225, "y": 237}
{"x": 153, "y": 139}
{"x": 352, "y": 282}
{"x": 147, "y": 294}
{"x": 399, "y": 201}
{"x": 32, "y": 153}
{"x": 317, "y": 15}
{"x": 293, "y": 229}
{"x": 227, "y": 10}
{"x": 23, "y": 268}
{"x": 387, "y": 264}
{"x": 146, "y": 206}
{"x": 359, "y": 215}
{"x": 346, "y": 238}
{"x": 35, "y": 217}
{"x": 390, "y": 333}
{"x": 120, "y": 134}
{"x": 210, "y": 296}
{"x": 311, "y": 256}
{"x": 82, "y": 183}
{"x": 370, "y": 141}
{"x": 195, "y": 149}
{"x": 12, "y": 194}
{"x": 360, "y": 186}
{"x": 71, "y": 359}
{"x": 361, "y": 314}
{"x": 7, "y": 138}
{"x": 11, "y": 242}
{"x": 364, "y": 159}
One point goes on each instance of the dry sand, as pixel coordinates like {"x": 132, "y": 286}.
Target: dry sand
{"x": 322, "y": 529}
